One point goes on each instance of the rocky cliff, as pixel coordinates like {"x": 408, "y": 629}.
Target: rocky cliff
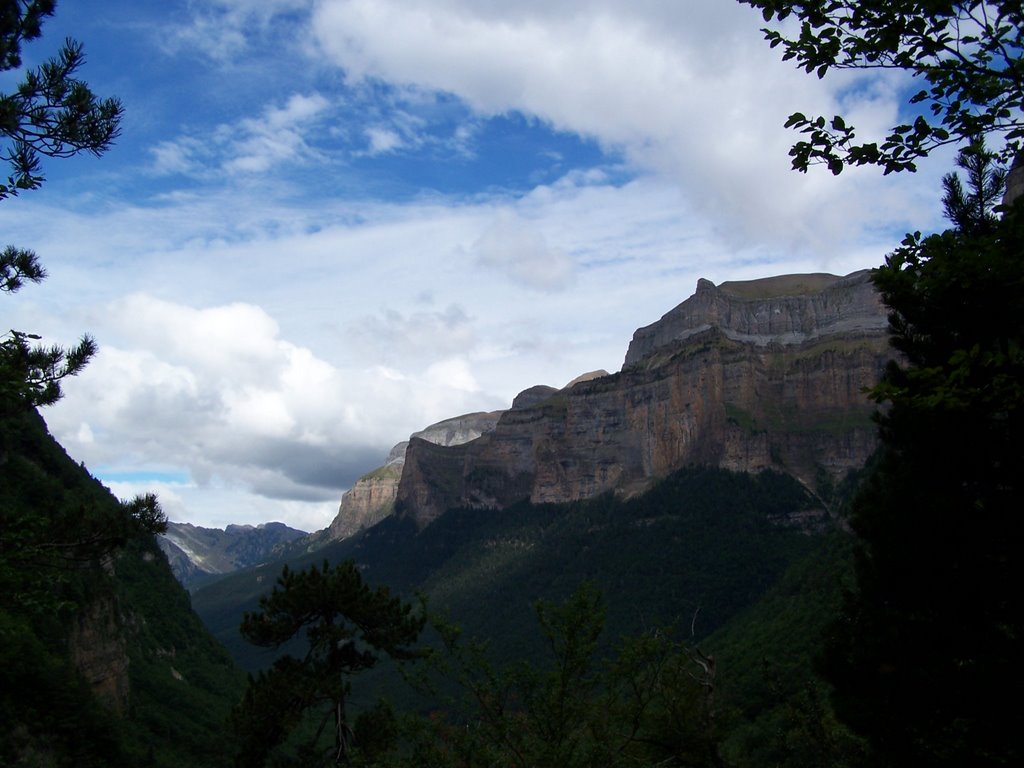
{"x": 99, "y": 652}
{"x": 372, "y": 496}
{"x": 781, "y": 311}
{"x": 746, "y": 376}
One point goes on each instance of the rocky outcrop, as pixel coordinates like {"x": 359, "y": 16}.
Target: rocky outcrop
{"x": 368, "y": 501}
{"x": 372, "y": 497}
{"x": 745, "y": 376}
{"x": 785, "y": 310}
{"x": 99, "y": 653}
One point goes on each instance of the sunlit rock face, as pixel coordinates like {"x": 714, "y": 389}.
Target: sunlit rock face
{"x": 776, "y": 311}
{"x": 746, "y": 376}
{"x": 372, "y": 497}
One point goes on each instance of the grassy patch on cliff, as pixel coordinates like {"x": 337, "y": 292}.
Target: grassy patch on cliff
{"x": 387, "y": 472}
{"x": 778, "y": 287}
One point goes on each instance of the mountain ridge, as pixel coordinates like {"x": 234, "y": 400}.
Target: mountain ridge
{"x": 197, "y": 554}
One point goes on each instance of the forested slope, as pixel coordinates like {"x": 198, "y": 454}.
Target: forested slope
{"x": 103, "y": 661}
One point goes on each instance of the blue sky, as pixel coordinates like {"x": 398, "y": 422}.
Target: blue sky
{"x": 330, "y": 223}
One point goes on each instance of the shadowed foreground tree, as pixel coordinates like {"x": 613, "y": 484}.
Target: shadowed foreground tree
{"x": 50, "y": 113}
{"x": 650, "y": 703}
{"x": 347, "y": 627}
{"x": 931, "y": 634}
{"x": 968, "y": 55}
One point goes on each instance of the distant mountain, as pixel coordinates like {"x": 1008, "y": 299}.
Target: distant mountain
{"x": 196, "y": 554}
{"x": 747, "y": 376}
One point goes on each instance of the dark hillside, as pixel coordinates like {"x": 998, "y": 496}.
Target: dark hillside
{"x": 104, "y": 663}
{"x": 699, "y": 547}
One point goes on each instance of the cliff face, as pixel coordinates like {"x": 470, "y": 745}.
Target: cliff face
{"x": 745, "y": 376}
{"x": 368, "y": 501}
{"x": 99, "y": 652}
{"x": 785, "y": 310}
{"x": 372, "y": 497}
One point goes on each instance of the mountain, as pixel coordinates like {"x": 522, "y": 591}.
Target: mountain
{"x": 372, "y": 496}
{"x": 746, "y": 376}
{"x": 196, "y": 554}
{"x": 609, "y": 478}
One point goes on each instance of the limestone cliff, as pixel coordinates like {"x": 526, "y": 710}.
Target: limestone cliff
{"x": 368, "y": 501}
{"x": 785, "y": 310}
{"x": 372, "y": 497}
{"x": 745, "y": 376}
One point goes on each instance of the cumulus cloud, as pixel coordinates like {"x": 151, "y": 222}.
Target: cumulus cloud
{"x": 216, "y": 395}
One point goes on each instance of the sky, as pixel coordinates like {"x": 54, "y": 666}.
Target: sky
{"x": 328, "y": 224}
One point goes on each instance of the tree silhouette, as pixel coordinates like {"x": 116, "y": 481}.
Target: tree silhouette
{"x": 967, "y": 53}
{"x": 931, "y": 632}
{"x": 347, "y": 627}
{"x": 50, "y": 113}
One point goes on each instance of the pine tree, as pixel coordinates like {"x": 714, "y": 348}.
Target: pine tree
{"x": 347, "y": 627}
{"x": 51, "y": 113}
{"x": 931, "y": 633}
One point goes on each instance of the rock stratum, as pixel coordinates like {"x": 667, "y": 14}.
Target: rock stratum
{"x": 748, "y": 376}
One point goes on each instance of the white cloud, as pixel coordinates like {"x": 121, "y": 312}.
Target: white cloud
{"x": 690, "y": 93}
{"x": 513, "y": 247}
{"x": 382, "y": 140}
{"x": 279, "y": 135}
{"x": 217, "y": 395}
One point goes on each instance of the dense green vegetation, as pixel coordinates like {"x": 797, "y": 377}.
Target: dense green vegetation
{"x": 701, "y": 541}
{"x": 346, "y": 627}
{"x": 932, "y": 627}
{"x": 930, "y": 630}
{"x": 688, "y": 559}
{"x": 104, "y": 662}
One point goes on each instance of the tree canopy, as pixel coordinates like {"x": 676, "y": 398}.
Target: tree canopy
{"x": 347, "y": 627}
{"x": 967, "y": 55}
{"x": 50, "y": 113}
{"x": 931, "y": 632}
